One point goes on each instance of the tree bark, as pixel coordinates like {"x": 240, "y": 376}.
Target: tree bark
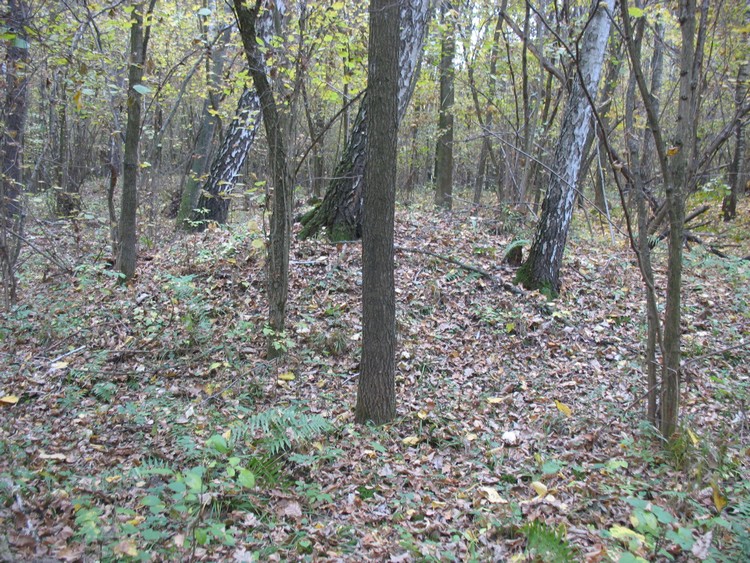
{"x": 738, "y": 166}
{"x": 216, "y": 192}
{"x": 678, "y": 167}
{"x": 444, "y": 149}
{"x": 15, "y": 69}
{"x": 200, "y": 159}
{"x": 340, "y": 212}
{"x": 139, "y": 33}
{"x": 281, "y": 222}
{"x": 542, "y": 268}
{"x": 376, "y": 393}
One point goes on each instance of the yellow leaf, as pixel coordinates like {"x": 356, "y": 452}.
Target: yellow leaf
{"x": 539, "y": 487}
{"x": 693, "y": 438}
{"x": 492, "y": 495}
{"x": 494, "y": 400}
{"x": 287, "y": 376}
{"x": 671, "y": 151}
{"x": 422, "y": 414}
{"x": 470, "y": 437}
{"x": 113, "y": 478}
{"x": 9, "y": 399}
{"x": 258, "y": 243}
{"x": 626, "y": 534}
{"x": 59, "y": 365}
{"x": 136, "y": 520}
{"x": 563, "y": 408}
{"x": 227, "y": 434}
{"x": 126, "y": 547}
{"x": 410, "y": 441}
{"x": 720, "y": 501}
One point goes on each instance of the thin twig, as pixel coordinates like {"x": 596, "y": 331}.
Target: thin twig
{"x": 60, "y": 357}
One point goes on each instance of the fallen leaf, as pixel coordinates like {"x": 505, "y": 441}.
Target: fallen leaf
{"x": 510, "y": 437}
{"x": 292, "y": 510}
{"x": 693, "y": 438}
{"x": 720, "y": 501}
{"x": 702, "y": 545}
{"x": 59, "y": 457}
{"x": 492, "y": 495}
{"x": 126, "y": 547}
{"x": 287, "y": 376}
{"x": 563, "y": 408}
{"x": 9, "y": 399}
{"x": 539, "y": 487}
{"x": 410, "y": 441}
{"x": 494, "y": 400}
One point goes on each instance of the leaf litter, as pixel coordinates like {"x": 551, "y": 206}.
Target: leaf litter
{"x": 512, "y": 410}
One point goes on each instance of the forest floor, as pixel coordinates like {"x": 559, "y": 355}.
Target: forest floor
{"x": 142, "y": 422}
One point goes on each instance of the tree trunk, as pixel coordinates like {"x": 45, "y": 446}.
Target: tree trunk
{"x": 677, "y": 167}
{"x": 738, "y": 166}
{"x": 200, "y": 159}
{"x": 542, "y": 268}
{"x": 444, "y": 150}
{"x": 682, "y": 169}
{"x": 635, "y": 157}
{"x": 216, "y": 193}
{"x": 340, "y": 212}
{"x": 376, "y": 392}
{"x": 16, "y": 77}
{"x": 281, "y": 222}
{"x": 126, "y": 259}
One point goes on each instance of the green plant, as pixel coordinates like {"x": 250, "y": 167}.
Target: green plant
{"x": 655, "y": 533}
{"x": 280, "y": 340}
{"x": 281, "y": 428}
{"x": 545, "y": 543}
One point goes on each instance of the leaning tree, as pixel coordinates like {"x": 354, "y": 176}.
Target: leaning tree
{"x": 340, "y": 212}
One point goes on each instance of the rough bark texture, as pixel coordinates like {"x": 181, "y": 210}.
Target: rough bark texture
{"x": 376, "y": 394}
{"x": 340, "y": 212}
{"x": 14, "y": 109}
{"x": 281, "y": 223}
{"x": 444, "y": 149}
{"x": 200, "y": 159}
{"x": 11, "y": 144}
{"x": 636, "y": 142}
{"x": 542, "y": 268}
{"x": 216, "y": 193}
{"x": 126, "y": 259}
{"x": 682, "y": 170}
{"x": 738, "y": 166}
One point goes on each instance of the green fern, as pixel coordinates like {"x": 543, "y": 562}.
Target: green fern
{"x": 282, "y": 428}
{"x": 547, "y": 543}
{"x": 152, "y": 466}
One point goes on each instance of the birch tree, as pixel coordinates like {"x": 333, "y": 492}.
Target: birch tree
{"x": 542, "y": 267}
{"x": 340, "y": 212}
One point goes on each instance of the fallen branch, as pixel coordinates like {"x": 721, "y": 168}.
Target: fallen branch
{"x": 483, "y": 273}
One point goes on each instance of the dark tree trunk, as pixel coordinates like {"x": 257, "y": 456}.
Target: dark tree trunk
{"x": 542, "y": 268}
{"x": 376, "y": 392}
{"x": 281, "y": 222}
{"x": 444, "y": 149}
{"x": 340, "y": 212}
{"x": 15, "y": 68}
{"x": 139, "y": 33}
